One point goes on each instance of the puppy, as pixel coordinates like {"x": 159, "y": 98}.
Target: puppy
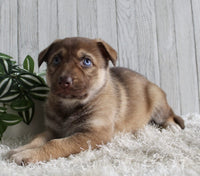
{"x": 90, "y": 102}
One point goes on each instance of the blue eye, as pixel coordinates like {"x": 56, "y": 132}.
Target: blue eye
{"x": 56, "y": 60}
{"x": 86, "y": 62}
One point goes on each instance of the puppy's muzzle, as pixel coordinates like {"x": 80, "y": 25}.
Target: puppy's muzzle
{"x": 65, "y": 82}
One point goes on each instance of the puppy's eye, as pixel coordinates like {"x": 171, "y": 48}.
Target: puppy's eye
{"x": 56, "y": 60}
{"x": 86, "y": 62}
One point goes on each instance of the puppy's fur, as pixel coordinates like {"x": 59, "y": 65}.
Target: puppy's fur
{"x": 91, "y": 102}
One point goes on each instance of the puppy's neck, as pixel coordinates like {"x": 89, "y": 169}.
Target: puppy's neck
{"x": 63, "y": 102}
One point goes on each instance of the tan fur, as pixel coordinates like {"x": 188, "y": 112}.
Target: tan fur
{"x": 99, "y": 102}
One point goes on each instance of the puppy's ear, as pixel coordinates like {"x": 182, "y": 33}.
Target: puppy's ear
{"x": 43, "y": 56}
{"x": 107, "y": 51}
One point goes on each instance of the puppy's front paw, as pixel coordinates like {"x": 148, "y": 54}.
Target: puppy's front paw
{"x": 25, "y": 157}
{"x": 12, "y": 152}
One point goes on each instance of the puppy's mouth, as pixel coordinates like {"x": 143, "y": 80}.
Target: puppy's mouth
{"x": 70, "y": 94}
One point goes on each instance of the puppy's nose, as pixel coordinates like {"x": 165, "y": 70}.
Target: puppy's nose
{"x": 65, "y": 81}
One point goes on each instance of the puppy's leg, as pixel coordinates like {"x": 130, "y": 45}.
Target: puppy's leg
{"x": 38, "y": 141}
{"x": 164, "y": 117}
{"x": 161, "y": 112}
{"x": 61, "y": 147}
{"x": 174, "y": 119}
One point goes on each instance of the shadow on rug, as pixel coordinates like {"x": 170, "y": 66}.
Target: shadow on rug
{"x": 150, "y": 152}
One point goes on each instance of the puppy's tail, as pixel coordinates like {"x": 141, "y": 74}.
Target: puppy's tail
{"x": 178, "y": 120}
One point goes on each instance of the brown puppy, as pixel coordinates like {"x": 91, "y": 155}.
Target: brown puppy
{"x": 88, "y": 101}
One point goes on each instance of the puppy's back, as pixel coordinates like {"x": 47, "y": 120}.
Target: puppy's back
{"x": 141, "y": 101}
{"x": 133, "y": 99}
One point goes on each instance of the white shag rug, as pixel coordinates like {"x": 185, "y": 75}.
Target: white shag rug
{"x": 171, "y": 152}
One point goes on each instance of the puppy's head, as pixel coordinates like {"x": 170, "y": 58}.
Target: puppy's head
{"x": 77, "y": 67}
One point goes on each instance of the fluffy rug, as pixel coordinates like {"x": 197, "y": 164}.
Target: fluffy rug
{"x": 150, "y": 152}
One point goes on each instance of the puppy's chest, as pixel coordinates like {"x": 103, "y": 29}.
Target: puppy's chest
{"x": 66, "y": 121}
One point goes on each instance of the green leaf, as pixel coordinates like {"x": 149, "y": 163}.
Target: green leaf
{"x": 29, "y": 80}
{"x": 42, "y": 74}
{"x": 3, "y": 128}
{"x": 3, "y": 109}
{"x": 29, "y": 64}
{"x": 10, "y": 119}
{"x": 5, "y": 86}
{"x": 2, "y": 77}
{"x": 6, "y": 65}
{"x": 21, "y": 104}
{"x": 40, "y": 89}
{"x": 4, "y": 56}
{"x": 12, "y": 95}
{"x": 39, "y": 93}
{"x": 1, "y": 69}
{"x": 27, "y": 115}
